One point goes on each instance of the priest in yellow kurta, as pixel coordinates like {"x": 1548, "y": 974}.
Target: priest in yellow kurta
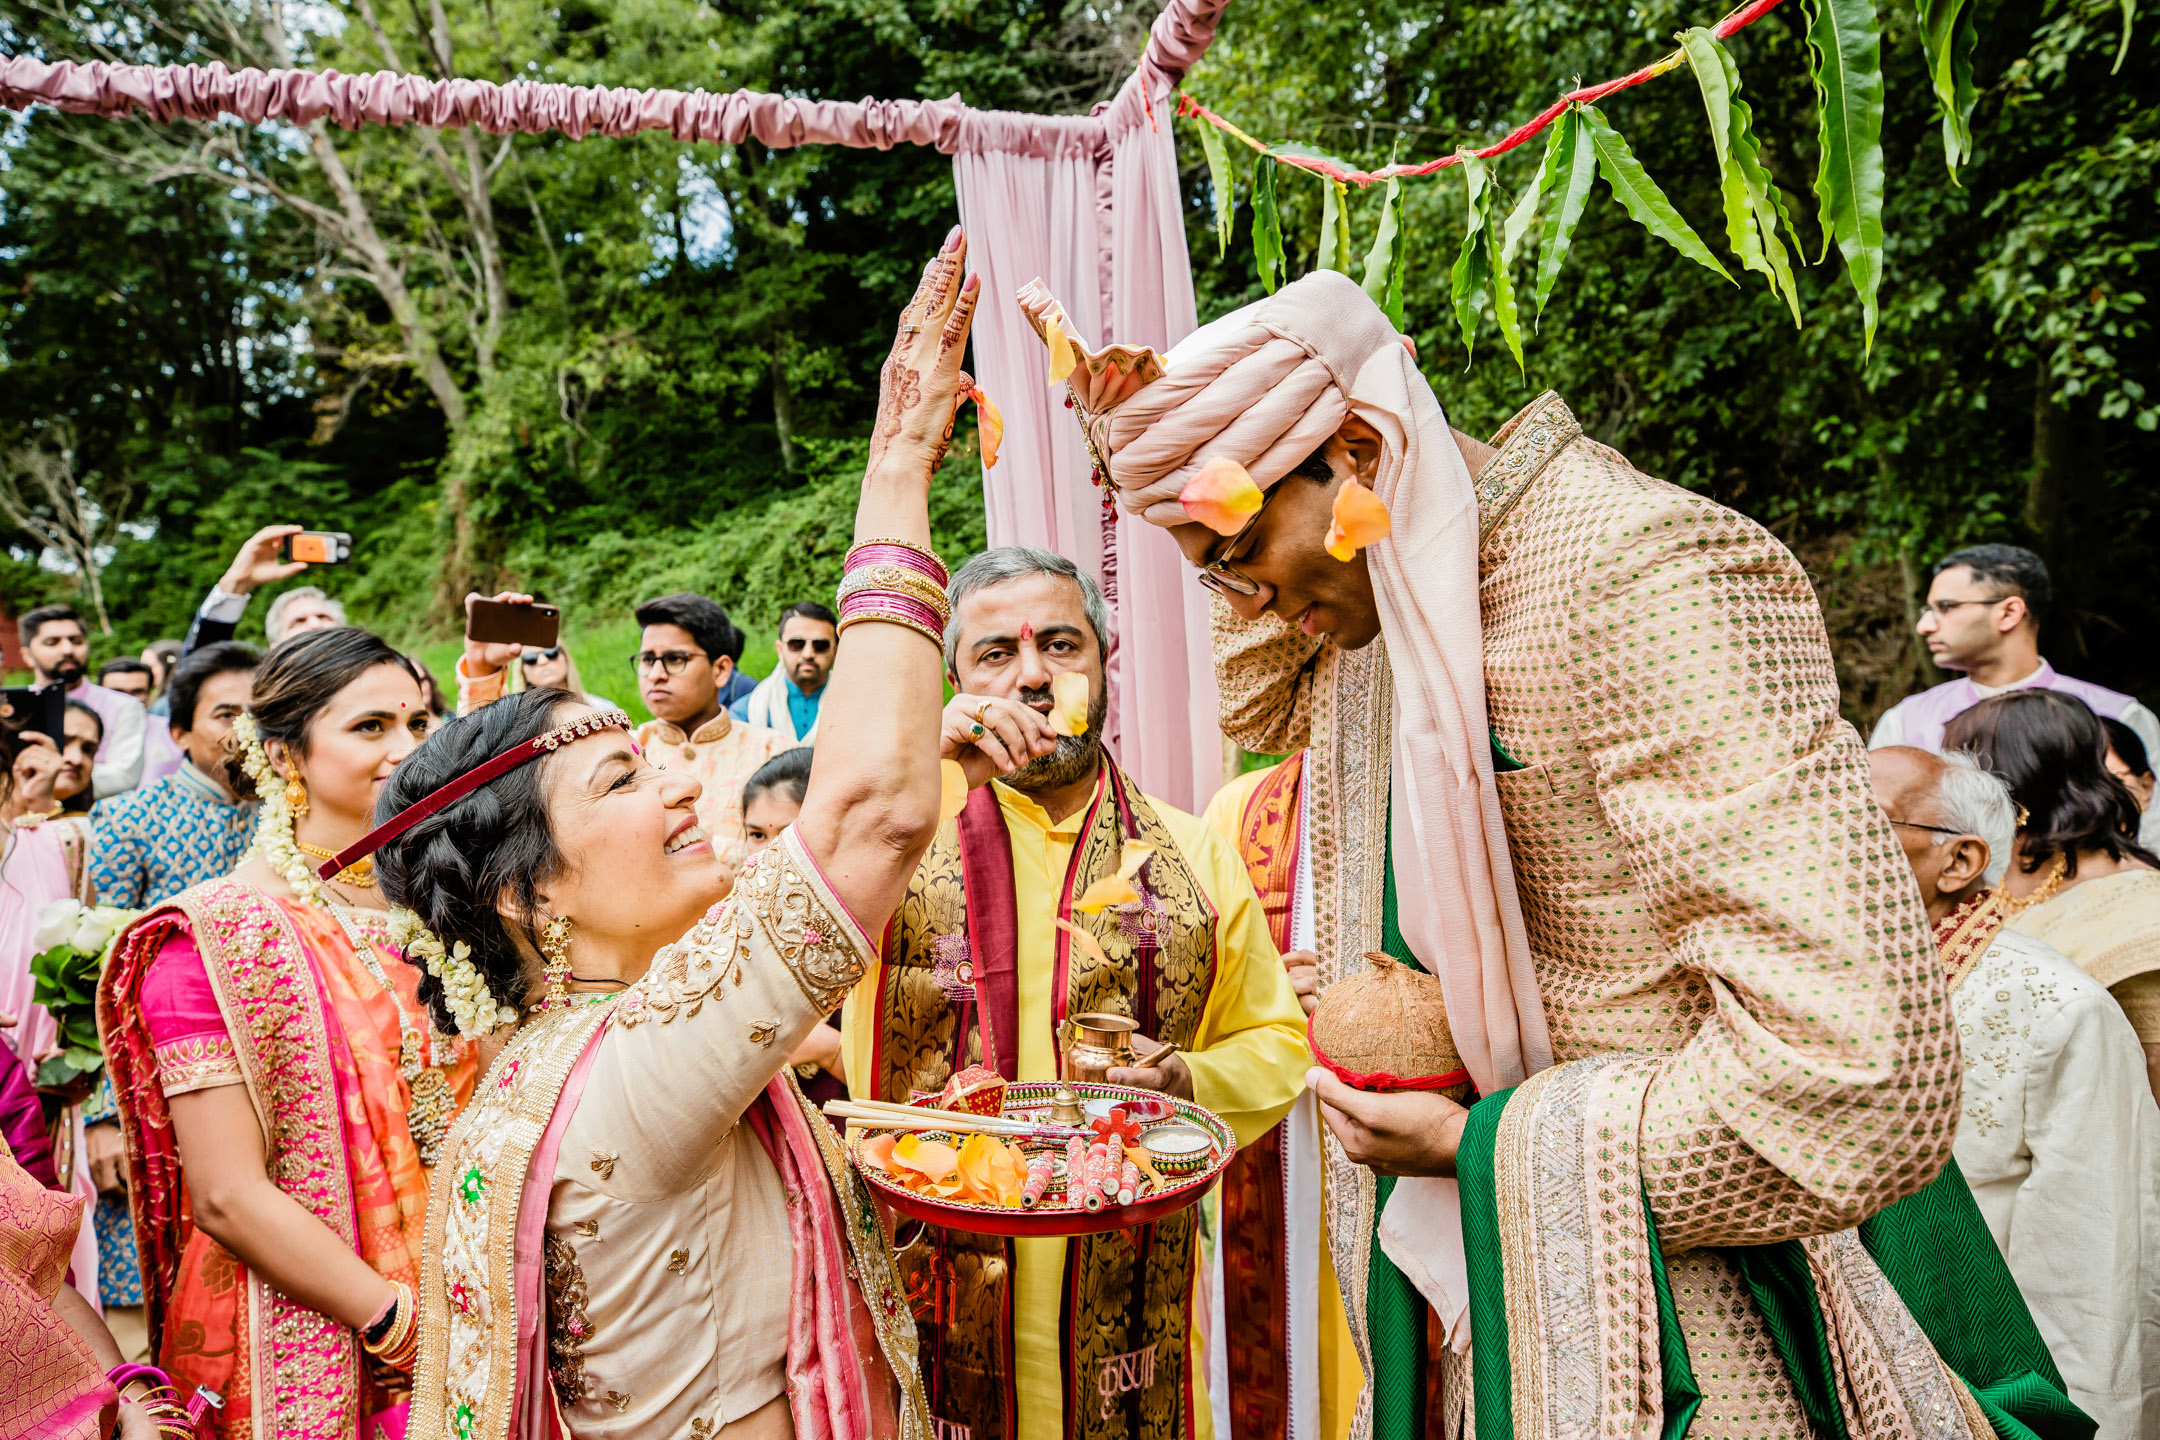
{"x": 1096, "y": 1338}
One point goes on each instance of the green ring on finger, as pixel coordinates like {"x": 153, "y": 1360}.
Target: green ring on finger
{"x": 975, "y": 731}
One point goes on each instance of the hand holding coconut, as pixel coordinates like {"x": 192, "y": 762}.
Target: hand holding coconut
{"x": 1304, "y": 970}
{"x": 1389, "y": 1080}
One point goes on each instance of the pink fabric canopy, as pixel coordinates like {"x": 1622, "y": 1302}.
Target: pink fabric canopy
{"x": 1088, "y": 203}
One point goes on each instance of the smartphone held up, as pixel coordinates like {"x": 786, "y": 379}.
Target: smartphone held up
{"x": 317, "y": 547}
{"x": 506, "y": 622}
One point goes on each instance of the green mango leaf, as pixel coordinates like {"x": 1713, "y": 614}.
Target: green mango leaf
{"x": 1267, "y": 228}
{"x": 1752, "y": 205}
{"x": 1388, "y": 259}
{"x": 1310, "y": 152}
{"x": 1570, "y": 166}
{"x": 1503, "y": 297}
{"x": 1519, "y": 218}
{"x": 1947, "y": 37}
{"x": 1640, "y": 196}
{"x": 1220, "y": 181}
{"x": 1472, "y": 273}
{"x": 1845, "y": 48}
{"x": 1334, "y": 226}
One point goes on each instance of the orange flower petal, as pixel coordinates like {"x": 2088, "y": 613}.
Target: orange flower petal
{"x": 989, "y": 423}
{"x": 877, "y": 1150}
{"x": 1116, "y": 889}
{"x": 1069, "y": 695}
{"x": 952, "y": 790}
{"x": 1221, "y": 495}
{"x": 1062, "y": 355}
{"x": 934, "y": 1160}
{"x": 1360, "y": 518}
{"x": 1085, "y": 941}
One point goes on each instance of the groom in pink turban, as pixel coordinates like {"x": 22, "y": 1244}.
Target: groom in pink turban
{"x": 1573, "y": 747}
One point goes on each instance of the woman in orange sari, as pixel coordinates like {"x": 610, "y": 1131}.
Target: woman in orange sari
{"x": 281, "y": 1089}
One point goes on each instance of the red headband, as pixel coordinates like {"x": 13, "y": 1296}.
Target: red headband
{"x": 470, "y": 781}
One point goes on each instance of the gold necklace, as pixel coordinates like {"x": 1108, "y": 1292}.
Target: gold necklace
{"x": 361, "y": 872}
{"x": 2048, "y": 887}
{"x": 433, "y": 1104}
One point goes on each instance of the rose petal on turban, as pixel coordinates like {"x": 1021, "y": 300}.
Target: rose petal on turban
{"x": 990, "y": 423}
{"x": 1116, "y": 889}
{"x": 1062, "y": 356}
{"x": 1221, "y": 495}
{"x": 1360, "y": 518}
{"x": 1069, "y": 704}
{"x": 952, "y": 790}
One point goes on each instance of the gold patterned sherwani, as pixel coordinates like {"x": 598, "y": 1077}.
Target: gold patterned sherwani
{"x": 1705, "y": 876}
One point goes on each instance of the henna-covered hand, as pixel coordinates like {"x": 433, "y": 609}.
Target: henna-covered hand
{"x": 922, "y": 386}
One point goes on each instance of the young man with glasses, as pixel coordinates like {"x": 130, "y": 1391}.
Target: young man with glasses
{"x": 786, "y": 701}
{"x": 1985, "y": 606}
{"x": 685, "y": 659}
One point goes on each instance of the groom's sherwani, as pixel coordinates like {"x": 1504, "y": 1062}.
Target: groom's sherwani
{"x": 1708, "y": 885}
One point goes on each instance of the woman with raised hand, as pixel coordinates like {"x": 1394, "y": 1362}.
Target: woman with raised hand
{"x": 281, "y": 1090}
{"x": 642, "y": 1228}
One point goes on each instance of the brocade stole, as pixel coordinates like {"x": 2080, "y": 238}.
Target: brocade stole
{"x": 1127, "y": 1294}
{"x": 303, "y": 1367}
{"x": 1255, "y": 1273}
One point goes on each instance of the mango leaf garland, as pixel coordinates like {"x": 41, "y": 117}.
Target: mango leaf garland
{"x": 1639, "y": 195}
{"x": 1845, "y": 48}
{"x": 1753, "y": 207}
{"x": 1267, "y": 227}
{"x": 1478, "y": 270}
{"x": 1947, "y": 38}
{"x": 1219, "y": 180}
{"x": 1389, "y": 257}
{"x": 1570, "y": 166}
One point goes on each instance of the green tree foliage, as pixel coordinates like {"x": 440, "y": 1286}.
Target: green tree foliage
{"x": 607, "y": 367}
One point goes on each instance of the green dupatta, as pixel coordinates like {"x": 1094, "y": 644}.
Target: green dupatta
{"x": 1933, "y": 1247}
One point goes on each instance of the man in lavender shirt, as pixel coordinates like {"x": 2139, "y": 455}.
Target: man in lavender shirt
{"x": 58, "y": 650}
{"x": 1984, "y": 609}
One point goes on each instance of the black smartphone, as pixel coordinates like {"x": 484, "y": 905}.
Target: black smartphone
{"x": 42, "y": 708}
{"x": 498, "y": 622}
{"x": 317, "y": 547}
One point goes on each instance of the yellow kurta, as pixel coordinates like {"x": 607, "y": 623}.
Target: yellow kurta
{"x": 1248, "y": 1062}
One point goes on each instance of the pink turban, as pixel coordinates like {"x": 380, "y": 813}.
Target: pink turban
{"x": 1266, "y": 386}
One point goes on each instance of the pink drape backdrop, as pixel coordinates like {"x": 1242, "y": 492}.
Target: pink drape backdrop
{"x": 1088, "y": 203}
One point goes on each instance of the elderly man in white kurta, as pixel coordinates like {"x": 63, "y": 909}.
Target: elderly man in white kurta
{"x": 2059, "y": 1137}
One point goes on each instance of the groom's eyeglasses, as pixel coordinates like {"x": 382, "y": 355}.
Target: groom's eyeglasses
{"x": 1217, "y": 574}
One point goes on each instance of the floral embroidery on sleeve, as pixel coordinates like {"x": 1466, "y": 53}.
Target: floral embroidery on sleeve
{"x": 197, "y": 1062}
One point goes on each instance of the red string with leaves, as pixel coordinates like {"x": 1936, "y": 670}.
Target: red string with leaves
{"x": 1739, "y": 19}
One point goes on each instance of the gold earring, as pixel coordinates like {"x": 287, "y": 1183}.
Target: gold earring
{"x": 555, "y": 957}
{"x": 296, "y": 793}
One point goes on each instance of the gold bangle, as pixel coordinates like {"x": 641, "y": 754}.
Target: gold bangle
{"x": 893, "y": 618}
{"x": 911, "y": 583}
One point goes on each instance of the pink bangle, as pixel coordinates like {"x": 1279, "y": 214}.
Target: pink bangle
{"x": 899, "y": 609}
{"x": 898, "y": 552}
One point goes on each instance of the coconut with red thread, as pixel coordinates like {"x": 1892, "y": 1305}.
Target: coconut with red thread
{"x": 1387, "y": 1029}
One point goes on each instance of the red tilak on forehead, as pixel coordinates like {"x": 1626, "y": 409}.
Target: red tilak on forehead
{"x": 1027, "y": 631}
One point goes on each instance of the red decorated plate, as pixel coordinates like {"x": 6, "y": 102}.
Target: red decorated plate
{"x": 1030, "y": 1100}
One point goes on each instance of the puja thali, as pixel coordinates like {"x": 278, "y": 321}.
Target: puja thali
{"x": 992, "y": 1159}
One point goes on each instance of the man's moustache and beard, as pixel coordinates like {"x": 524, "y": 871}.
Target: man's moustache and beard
{"x": 67, "y": 673}
{"x": 1076, "y": 756}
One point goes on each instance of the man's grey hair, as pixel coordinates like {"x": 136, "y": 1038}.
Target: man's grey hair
{"x": 284, "y": 602}
{"x": 1017, "y": 562}
{"x": 1973, "y": 800}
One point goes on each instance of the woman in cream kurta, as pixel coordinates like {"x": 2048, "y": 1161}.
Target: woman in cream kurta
{"x": 639, "y": 1227}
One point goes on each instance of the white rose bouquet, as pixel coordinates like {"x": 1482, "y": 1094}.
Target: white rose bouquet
{"x": 74, "y": 941}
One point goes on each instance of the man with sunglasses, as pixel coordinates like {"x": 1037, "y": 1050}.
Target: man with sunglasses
{"x": 1985, "y": 606}
{"x": 684, "y": 660}
{"x": 1572, "y": 745}
{"x": 786, "y": 701}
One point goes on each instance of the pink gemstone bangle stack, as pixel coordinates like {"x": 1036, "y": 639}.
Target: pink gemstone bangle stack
{"x": 894, "y": 581}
